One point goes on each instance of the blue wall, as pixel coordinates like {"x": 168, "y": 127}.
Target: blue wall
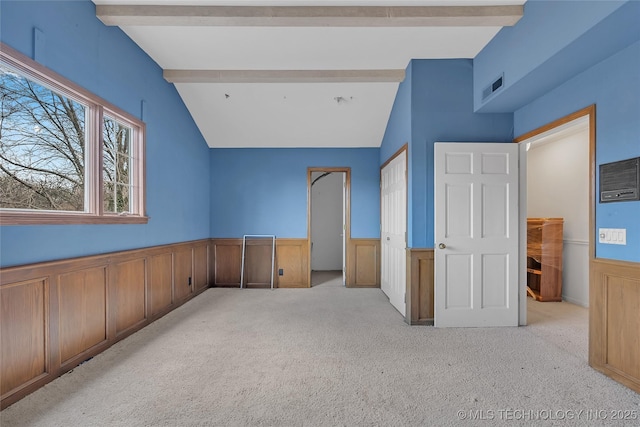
{"x": 440, "y": 94}
{"x": 614, "y": 86}
{"x": 398, "y": 133}
{"x": 106, "y": 62}
{"x": 264, "y": 191}
{"x": 575, "y": 54}
{"x": 442, "y": 111}
{"x": 552, "y": 42}
{"x": 562, "y": 56}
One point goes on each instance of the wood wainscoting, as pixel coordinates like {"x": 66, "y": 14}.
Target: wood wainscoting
{"x": 55, "y": 315}
{"x": 614, "y": 320}
{"x": 420, "y": 284}
{"x": 363, "y": 263}
{"x": 227, "y": 262}
{"x": 291, "y": 258}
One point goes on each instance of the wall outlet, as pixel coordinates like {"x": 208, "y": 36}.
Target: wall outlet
{"x": 612, "y": 236}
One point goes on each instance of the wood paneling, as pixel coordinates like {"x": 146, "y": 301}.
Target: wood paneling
{"x": 211, "y": 269}
{"x": 183, "y": 276}
{"x": 614, "y": 320}
{"x": 292, "y": 257}
{"x": 57, "y": 314}
{"x": 23, "y": 323}
{"x": 200, "y": 267}
{"x": 228, "y": 261}
{"x": 363, "y": 263}
{"x": 257, "y": 270}
{"x": 83, "y": 319}
{"x": 623, "y": 325}
{"x": 128, "y": 281}
{"x": 420, "y": 286}
{"x": 160, "y": 282}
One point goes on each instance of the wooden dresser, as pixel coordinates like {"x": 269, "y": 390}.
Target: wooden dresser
{"x": 544, "y": 258}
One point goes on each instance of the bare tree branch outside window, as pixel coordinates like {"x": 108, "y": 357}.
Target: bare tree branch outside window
{"x": 116, "y": 166}
{"x": 67, "y": 156}
{"x": 42, "y": 147}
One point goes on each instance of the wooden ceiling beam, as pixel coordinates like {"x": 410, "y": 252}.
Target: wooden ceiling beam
{"x": 284, "y": 76}
{"x": 309, "y": 16}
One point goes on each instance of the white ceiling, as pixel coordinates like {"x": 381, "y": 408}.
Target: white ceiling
{"x": 283, "y": 114}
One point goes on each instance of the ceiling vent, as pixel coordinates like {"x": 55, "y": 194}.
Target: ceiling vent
{"x": 493, "y": 87}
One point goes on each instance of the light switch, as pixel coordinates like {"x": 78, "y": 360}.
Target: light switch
{"x": 622, "y": 236}
{"x": 612, "y": 236}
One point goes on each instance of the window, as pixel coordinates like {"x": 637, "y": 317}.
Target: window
{"x": 66, "y": 156}
{"x": 116, "y": 166}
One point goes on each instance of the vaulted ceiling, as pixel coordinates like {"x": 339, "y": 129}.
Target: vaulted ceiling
{"x": 300, "y": 73}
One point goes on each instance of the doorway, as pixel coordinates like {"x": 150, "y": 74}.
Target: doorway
{"x": 558, "y": 187}
{"x": 328, "y": 224}
{"x": 581, "y": 127}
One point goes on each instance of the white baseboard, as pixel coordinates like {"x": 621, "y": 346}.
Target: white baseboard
{"x": 576, "y": 302}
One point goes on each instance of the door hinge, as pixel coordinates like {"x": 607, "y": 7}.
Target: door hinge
{"x": 405, "y": 298}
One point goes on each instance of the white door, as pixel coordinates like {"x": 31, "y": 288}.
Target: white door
{"x": 476, "y": 234}
{"x": 393, "y": 227}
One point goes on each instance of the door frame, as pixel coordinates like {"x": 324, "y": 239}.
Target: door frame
{"x": 346, "y": 208}
{"x": 589, "y": 112}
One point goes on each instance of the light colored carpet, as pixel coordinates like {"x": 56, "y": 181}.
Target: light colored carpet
{"x": 330, "y": 356}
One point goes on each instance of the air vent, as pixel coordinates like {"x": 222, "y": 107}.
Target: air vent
{"x": 493, "y": 87}
{"x": 620, "y": 181}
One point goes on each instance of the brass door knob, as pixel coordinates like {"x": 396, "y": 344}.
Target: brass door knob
{"x": 442, "y": 246}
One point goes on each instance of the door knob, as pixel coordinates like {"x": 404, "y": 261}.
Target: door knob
{"x": 388, "y": 238}
{"x": 442, "y": 246}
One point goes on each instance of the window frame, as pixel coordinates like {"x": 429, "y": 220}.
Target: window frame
{"x": 97, "y": 108}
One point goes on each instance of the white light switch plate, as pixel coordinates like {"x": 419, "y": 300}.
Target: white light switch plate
{"x": 612, "y": 236}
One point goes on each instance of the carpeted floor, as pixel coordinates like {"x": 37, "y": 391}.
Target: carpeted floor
{"x": 332, "y": 356}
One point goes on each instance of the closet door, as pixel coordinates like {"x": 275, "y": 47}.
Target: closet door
{"x": 393, "y": 230}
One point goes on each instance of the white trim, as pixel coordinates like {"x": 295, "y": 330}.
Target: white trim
{"x": 576, "y": 242}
